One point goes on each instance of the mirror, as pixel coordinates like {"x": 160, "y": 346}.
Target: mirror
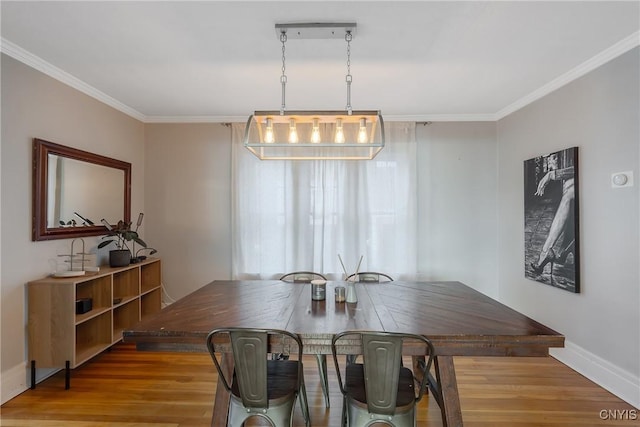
{"x": 73, "y": 190}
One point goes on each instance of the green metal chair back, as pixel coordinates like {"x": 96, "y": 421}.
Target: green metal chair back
{"x": 258, "y": 386}
{"x": 380, "y": 389}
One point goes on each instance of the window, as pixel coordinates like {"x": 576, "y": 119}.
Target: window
{"x": 299, "y": 215}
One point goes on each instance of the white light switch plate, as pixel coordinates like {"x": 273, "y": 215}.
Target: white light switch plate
{"x": 622, "y": 179}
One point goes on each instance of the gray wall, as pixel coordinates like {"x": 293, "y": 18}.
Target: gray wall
{"x": 188, "y": 201}
{"x": 457, "y": 203}
{"x": 599, "y": 113}
{"x": 35, "y": 105}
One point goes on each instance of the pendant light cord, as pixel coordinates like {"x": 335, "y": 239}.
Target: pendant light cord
{"x": 283, "y": 78}
{"x": 348, "y": 37}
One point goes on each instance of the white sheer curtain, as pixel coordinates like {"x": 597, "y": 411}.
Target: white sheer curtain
{"x": 299, "y": 215}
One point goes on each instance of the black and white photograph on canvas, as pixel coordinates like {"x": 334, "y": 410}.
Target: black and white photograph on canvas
{"x": 551, "y": 251}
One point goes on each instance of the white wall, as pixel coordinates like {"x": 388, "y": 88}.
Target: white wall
{"x": 188, "y": 202}
{"x": 599, "y": 113}
{"x": 457, "y": 203}
{"x": 34, "y": 105}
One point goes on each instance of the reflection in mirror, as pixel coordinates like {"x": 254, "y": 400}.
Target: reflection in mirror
{"x": 72, "y": 195}
{"x": 74, "y": 189}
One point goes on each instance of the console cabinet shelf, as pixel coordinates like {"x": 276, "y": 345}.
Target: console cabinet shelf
{"x": 121, "y": 297}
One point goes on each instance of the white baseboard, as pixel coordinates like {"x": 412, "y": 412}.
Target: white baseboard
{"x": 14, "y": 382}
{"x": 17, "y": 380}
{"x": 607, "y": 375}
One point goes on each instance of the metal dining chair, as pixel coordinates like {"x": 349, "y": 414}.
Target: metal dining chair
{"x": 302, "y": 277}
{"x": 307, "y": 277}
{"x": 380, "y": 389}
{"x": 370, "y": 277}
{"x": 261, "y": 387}
{"x": 367, "y": 277}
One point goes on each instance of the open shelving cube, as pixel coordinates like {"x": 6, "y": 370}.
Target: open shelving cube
{"x": 126, "y": 285}
{"x": 92, "y": 337}
{"x": 58, "y": 337}
{"x": 124, "y": 316}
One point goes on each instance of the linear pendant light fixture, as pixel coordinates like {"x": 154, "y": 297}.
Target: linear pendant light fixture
{"x": 309, "y": 134}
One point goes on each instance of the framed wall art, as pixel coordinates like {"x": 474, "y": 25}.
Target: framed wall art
{"x": 551, "y": 226}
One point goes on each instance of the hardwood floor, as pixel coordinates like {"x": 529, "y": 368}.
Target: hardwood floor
{"x": 126, "y": 388}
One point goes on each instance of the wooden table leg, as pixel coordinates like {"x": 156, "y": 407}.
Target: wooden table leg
{"x": 221, "y": 402}
{"x": 446, "y": 376}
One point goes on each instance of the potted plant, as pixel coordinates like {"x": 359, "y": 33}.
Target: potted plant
{"x": 120, "y": 234}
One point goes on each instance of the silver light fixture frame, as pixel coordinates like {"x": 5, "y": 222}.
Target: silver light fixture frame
{"x": 361, "y": 132}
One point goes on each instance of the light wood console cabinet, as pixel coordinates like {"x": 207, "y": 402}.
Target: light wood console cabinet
{"x": 58, "y": 337}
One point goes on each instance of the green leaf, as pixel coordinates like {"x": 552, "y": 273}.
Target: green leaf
{"x": 104, "y": 243}
{"x": 140, "y": 242}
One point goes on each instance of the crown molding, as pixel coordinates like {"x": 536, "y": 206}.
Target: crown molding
{"x": 440, "y": 118}
{"x": 196, "y": 119}
{"x": 600, "y": 59}
{"x": 387, "y": 118}
{"x": 28, "y": 58}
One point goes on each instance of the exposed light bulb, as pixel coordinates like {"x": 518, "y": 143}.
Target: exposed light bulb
{"x": 362, "y": 132}
{"x": 339, "y": 132}
{"x": 315, "y": 132}
{"x": 293, "y": 132}
{"x": 268, "y": 135}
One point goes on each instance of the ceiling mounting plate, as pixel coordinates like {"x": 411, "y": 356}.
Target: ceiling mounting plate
{"x": 316, "y": 30}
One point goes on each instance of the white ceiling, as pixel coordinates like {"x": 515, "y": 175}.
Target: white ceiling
{"x": 219, "y": 61}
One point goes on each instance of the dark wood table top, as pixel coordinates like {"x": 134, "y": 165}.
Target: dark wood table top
{"x": 458, "y": 319}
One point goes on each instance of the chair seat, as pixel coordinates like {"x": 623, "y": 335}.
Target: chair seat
{"x": 355, "y": 387}
{"x": 282, "y": 381}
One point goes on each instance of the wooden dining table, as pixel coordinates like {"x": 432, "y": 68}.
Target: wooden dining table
{"x": 458, "y": 320}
